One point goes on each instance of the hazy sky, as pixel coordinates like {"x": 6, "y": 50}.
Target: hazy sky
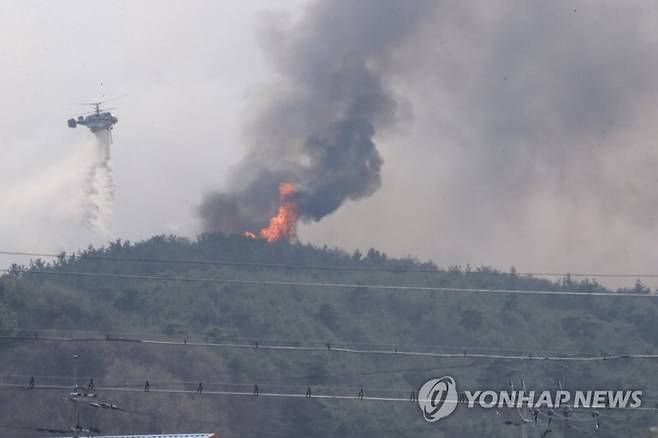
{"x": 187, "y": 70}
{"x": 525, "y": 131}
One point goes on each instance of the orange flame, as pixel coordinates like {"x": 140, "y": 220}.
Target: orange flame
{"x": 284, "y": 224}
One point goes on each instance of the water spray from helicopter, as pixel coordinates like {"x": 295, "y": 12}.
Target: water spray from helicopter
{"x": 99, "y": 182}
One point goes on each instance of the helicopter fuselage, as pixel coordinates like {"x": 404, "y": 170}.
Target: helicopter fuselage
{"x": 95, "y": 121}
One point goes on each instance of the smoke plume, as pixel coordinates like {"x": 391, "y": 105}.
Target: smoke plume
{"x": 317, "y": 126}
{"x": 99, "y": 184}
{"x": 533, "y": 141}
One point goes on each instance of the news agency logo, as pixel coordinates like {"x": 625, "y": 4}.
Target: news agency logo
{"x": 438, "y": 398}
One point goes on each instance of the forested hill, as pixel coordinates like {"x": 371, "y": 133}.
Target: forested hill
{"x": 133, "y": 300}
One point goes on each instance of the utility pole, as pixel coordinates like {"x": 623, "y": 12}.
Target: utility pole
{"x": 565, "y": 431}
{"x": 75, "y": 370}
{"x": 76, "y": 412}
{"x": 561, "y": 381}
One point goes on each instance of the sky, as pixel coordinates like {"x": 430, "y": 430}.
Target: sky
{"x": 523, "y": 132}
{"x": 186, "y": 70}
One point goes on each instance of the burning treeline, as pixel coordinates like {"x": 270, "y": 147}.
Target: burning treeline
{"x": 317, "y": 128}
{"x": 284, "y": 224}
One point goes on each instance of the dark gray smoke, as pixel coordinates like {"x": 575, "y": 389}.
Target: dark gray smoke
{"x": 316, "y": 128}
{"x": 533, "y": 141}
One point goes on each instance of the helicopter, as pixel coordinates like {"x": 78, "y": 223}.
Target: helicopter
{"x": 98, "y": 119}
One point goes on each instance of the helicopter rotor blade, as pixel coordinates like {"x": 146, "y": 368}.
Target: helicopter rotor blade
{"x": 101, "y": 110}
{"x": 83, "y": 104}
{"x": 100, "y": 102}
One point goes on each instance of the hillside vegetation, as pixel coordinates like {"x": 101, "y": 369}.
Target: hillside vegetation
{"x": 40, "y": 305}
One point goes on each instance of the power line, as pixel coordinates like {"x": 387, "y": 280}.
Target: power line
{"x": 13, "y": 386}
{"x": 337, "y": 349}
{"x": 322, "y": 396}
{"x": 380, "y": 287}
{"x": 154, "y": 383}
{"x": 321, "y": 267}
{"x": 35, "y": 332}
{"x": 280, "y": 384}
{"x": 121, "y": 383}
{"x": 323, "y": 343}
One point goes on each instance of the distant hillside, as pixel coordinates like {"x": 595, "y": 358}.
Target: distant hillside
{"x": 40, "y": 305}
